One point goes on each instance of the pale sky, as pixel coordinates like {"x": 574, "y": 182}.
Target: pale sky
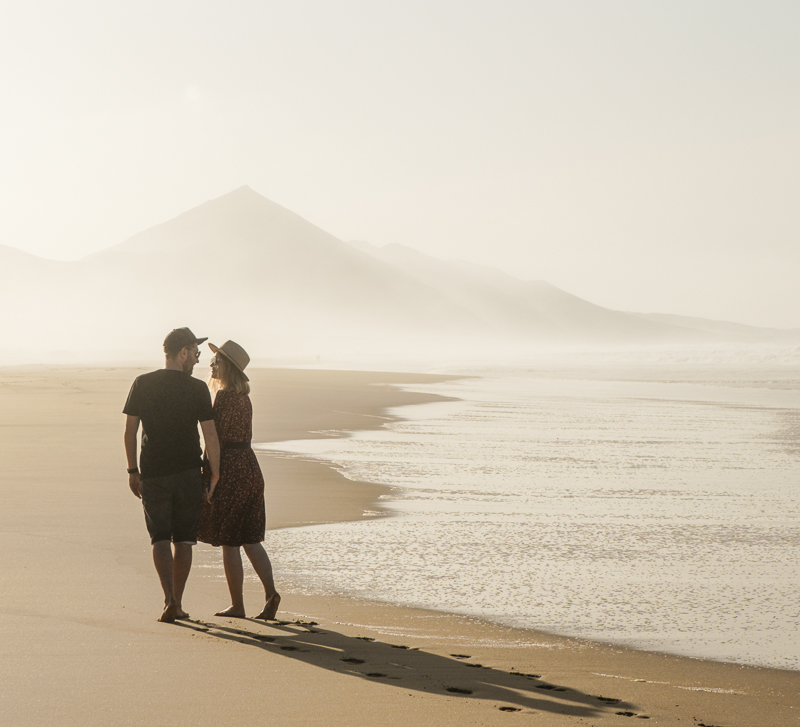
{"x": 644, "y": 155}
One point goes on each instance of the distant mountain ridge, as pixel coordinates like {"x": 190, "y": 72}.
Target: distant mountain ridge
{"x": 522, "y": 308}
{"x": 723, "y": 328}
{"x": 241, "y": 266}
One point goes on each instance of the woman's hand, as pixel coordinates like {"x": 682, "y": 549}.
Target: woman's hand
{"x": 210, "y": 489}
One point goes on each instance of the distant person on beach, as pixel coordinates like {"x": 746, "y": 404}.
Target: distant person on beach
{"x": 233, "y": 514}
{"x": 169, "y": 403}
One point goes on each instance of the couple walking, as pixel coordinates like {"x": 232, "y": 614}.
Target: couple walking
{"x": 182, "y": 504}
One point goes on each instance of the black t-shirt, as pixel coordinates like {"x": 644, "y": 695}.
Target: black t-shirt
{"x": 169, "y": 404}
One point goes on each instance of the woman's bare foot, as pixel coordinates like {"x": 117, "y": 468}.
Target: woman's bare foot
{"x": 270, "y": 608}
{"x": 231, "y": 612}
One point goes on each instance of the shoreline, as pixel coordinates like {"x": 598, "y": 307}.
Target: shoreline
{"x": 336, "y": 403}
{"x": 80, "y": 640}
{"x": 368, "y": 510}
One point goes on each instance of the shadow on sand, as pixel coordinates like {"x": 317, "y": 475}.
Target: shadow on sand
{"x": 410, "y": 668}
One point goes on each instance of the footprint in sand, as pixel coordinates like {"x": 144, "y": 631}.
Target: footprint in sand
{"x": 509, "y": 709}
{"x": 376, "y": 674}
{"x": 461, "y": 656}
{"x": 458, "y": 690}
{"x": 365, "y": 638}
{"x": 309, "y": 626}
{"x": 352, "y": 660}
{"x": 609, "y": 700}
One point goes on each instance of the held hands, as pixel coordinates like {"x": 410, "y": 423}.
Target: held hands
{"x": 135, "y": 483}
{"x": 210, "y": 489}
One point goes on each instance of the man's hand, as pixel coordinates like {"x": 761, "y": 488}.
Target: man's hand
{"x": 135, "y": 483}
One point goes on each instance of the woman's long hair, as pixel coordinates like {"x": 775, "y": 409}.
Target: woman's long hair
{"x": 230, "y": 378}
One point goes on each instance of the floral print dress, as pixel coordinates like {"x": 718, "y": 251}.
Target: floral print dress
{"x": 236, "y": 515}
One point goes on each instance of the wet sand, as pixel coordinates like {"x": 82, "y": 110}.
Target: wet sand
{"x": 80, "y": 643}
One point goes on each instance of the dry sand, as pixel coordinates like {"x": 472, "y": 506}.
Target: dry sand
{"x": 81, "y": 645}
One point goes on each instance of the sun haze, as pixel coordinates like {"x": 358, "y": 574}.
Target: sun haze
{"x": 642, "y": 156}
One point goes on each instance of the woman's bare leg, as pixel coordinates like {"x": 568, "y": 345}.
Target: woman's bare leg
{"x": 234, "y": 574}
{"x": 263, "y": 568}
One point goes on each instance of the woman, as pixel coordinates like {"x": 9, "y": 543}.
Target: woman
{"x": 233, "y": 513}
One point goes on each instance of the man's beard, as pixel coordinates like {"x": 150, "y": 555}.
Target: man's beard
{"x": 188, "y": 367}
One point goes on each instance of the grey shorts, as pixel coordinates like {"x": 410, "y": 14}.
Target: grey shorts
{"x": 172, "y": 506}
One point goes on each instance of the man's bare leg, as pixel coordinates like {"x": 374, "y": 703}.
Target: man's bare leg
{"x": 263, "y": 568}
{"x": 172, "y": 572}
{"x": 162, "y": 558}
{"x": 234, "y": 574}
{"x": 180, "y": 573}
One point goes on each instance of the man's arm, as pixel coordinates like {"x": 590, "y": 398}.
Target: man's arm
{"x": 131, "y": 430}
{"x": 212, "y": 451}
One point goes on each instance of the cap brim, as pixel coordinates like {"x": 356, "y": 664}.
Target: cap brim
{"x": 201, "y": 340}
{"x": 217, "y": 349}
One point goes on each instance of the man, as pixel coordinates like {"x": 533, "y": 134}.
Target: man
{"x": 169, "y": 403}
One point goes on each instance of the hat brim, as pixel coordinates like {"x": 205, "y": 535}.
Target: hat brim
{"x": 217, "y": 349}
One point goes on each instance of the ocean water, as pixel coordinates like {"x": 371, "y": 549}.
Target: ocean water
{"x": 658, "y": 511}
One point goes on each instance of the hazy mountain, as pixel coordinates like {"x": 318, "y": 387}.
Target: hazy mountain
{"x": 249, "y": 256}
{"x": 520, "y": 308}
{"x": 243, "y": 267}
{"x": 34, "y": 295}
{"x": 725, "y": 329}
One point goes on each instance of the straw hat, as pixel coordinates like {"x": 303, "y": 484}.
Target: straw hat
{"x": 234, "y": 354}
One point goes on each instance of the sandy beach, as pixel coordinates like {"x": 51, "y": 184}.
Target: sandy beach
{"x": 81, "y": 643}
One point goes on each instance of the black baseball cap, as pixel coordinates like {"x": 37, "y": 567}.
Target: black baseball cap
{"x": 178, "y": 338}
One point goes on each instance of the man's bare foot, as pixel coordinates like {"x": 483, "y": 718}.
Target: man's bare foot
{"x": 181, "y": 614}
{"x": 271, "y": 608}
{"x": 231, "y": 612}
{"x": 170, "y": 614}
